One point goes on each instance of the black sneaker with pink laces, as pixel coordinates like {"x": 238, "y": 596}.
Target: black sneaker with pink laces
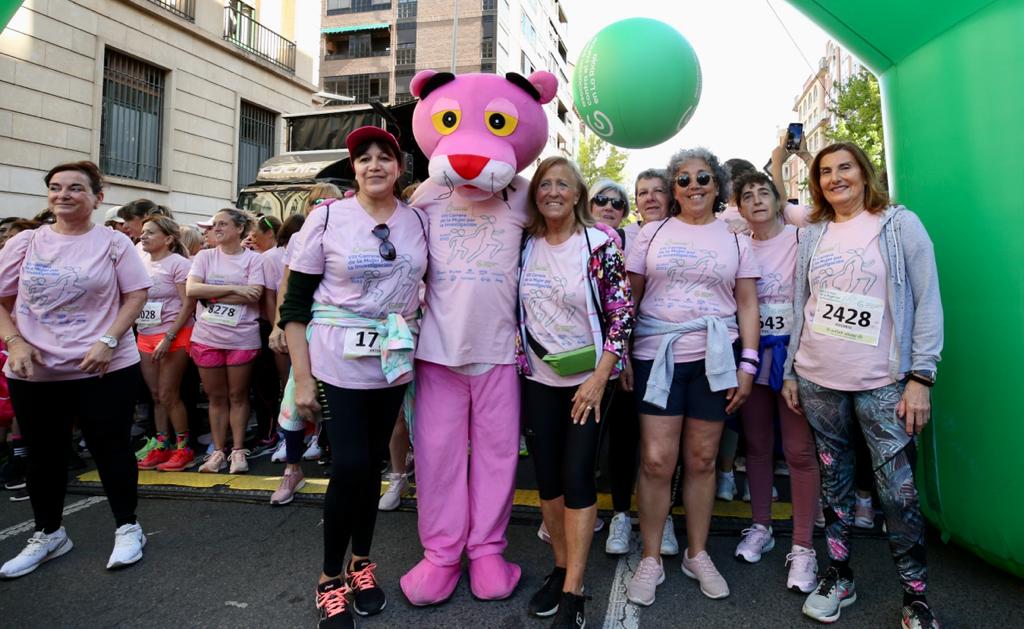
{"x": 332, "y": 603}
{"x": 368, "y": 598}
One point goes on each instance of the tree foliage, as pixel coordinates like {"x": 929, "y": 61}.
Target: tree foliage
{"x": 857, "y": 111}
{"x": 598, "y": 159}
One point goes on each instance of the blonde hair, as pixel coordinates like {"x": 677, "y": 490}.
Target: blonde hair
{"x": 321, "y": 191}
{"x": 535, "y": 225}
{"x": 167, "y": 225}
{"x": 191, "y": 238}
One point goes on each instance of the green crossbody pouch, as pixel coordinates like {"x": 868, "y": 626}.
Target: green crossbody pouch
{"x": 572, "y": 362}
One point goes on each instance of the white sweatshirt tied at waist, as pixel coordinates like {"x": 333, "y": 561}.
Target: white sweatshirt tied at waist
{"x": 719, "y": 360}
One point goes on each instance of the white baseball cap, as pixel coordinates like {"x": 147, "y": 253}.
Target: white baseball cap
{"x": 111, "y": 215}
{"x": 207, "y": 224}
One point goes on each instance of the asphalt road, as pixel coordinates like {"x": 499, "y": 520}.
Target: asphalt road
{"x": 231, "y": 564}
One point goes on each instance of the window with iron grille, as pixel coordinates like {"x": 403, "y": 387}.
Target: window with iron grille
{"x": 336, "y": 7}
{"x": 362, "y": 87}
{"x": 131, "y": 125}
{"x": 256, "y": 133}
{"x": 407, "y": 9}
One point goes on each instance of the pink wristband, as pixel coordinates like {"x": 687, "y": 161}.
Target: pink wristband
{"x": 750, "y": 353}
{"x": 748, "y": 368}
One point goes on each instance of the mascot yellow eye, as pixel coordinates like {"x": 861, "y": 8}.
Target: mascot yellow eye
{"x": 500, "y": 124}
{"x": 447, "y": 121}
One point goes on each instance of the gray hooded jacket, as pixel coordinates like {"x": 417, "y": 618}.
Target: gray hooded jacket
{"x": 912, "y": 287}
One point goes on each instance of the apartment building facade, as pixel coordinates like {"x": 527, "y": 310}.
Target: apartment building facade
{"x": 178, "y": 101}
{"x": 372, "y": 48}
{"x": 811, "y": 107}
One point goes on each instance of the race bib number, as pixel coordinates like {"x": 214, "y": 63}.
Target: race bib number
{"x": 361, "y": 342}
{"x": 776, "y": 319}
{"x": 150, "y": 315}
{"x": 849, "y": 316}
{"x": 223, "y": 314}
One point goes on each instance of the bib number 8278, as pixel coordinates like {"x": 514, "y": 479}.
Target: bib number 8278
{"x": 847, "y": 315}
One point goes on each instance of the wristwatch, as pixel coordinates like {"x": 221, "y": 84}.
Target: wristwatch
{"x": 927, "y": 378}
{"x": 109, "y": 341}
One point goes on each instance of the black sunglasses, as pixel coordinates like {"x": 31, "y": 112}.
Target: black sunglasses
{"x": 601, "y": 199}
{"x": 703, "y": 179}
{"x": 386, "y": 250}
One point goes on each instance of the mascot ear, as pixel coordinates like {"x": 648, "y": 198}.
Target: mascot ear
{"x": 545, "y": 83}
{"x": 426, "y": 81}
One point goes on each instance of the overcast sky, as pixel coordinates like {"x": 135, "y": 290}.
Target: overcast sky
{"x": 752, "y": 71}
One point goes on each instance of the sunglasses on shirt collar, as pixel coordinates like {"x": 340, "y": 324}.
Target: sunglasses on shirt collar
{"x": 601, "y": 199}
{"x": 703, "y": 179}
{"x": 387, "y": 248}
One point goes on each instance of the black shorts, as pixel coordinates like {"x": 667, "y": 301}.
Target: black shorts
{"x": 690, "y": 394}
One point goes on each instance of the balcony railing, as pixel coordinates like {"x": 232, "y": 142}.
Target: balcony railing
{"x": 357, "y": 54}
{"x": 251, "y": 36}
{"x": 182, "y": 8}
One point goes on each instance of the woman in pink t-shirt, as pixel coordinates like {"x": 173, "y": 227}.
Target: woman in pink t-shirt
{"x": 228, "y": 282}
{"x": 775, "y": 245}
{"x": 695, "y": 288}
{"x": 351, "y": 317}
{"x": 574, "y": 300}
{"x": 165, "y": 331}
{"x": 69, "y": 293}
{"x": 867, "y": 335}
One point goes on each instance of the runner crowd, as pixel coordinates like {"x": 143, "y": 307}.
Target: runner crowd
{"x": 712, "y": 313}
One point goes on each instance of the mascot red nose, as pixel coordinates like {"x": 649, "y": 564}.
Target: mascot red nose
{"x": 479, "y": 131}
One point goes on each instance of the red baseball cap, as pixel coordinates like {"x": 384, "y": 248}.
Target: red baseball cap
{"x": 365, "y": 134}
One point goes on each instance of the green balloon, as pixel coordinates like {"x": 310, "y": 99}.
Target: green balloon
{"x": 954, "y": 157}
{"x": 614, "y": 75}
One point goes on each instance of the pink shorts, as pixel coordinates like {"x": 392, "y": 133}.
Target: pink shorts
{"x": 211, "y": 357}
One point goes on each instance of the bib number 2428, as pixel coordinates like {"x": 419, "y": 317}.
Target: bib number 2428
{"x": 849, "y": 316}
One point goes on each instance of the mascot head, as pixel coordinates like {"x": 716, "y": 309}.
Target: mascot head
{"x": 479, "y": 130}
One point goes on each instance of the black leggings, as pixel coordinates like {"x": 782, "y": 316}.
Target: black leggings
{"x": 359, "y": 424}
{"x": 104, "y": 409}
{"x": 563, "y": 453}
{"x": 623, "y": 432}
{"x": 266, "y": 386}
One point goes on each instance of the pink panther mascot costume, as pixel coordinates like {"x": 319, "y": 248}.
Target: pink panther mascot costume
{"x": 479, "y": 131}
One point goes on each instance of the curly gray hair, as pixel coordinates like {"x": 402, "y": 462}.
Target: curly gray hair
{"x": 603, "y": 184}
{"x": 718, "y": 172}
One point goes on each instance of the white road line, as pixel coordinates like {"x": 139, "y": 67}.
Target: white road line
{"x": 621, "y": 613}
{"x": 28, "y": 525}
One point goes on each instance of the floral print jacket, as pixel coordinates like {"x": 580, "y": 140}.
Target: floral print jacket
{"x": 607, "y": 274}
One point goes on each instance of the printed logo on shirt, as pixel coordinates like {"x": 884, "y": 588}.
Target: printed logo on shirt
{"x": 55, "y": 289}
{"x": 846, "y": 271}
{"x": 693, "y": 273}
{"x": 551, "y": 314}
{"x": 774, "y": 286}
{"x": 389, "y": 284}
{"x": 472, "y": 248}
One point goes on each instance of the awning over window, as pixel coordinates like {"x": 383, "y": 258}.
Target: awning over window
{"x": 359, "y": 27}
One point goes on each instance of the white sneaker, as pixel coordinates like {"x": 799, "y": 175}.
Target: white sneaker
{"x": 239, "y": 464}
{"x": 746, "y": 493}
{"x": 781, "y": 468}
{"x": 726, "y": 486}
{"x": 312, "y": 452}
{"x": 756, "y": 541}
{"x": 398, "y": 487}
{"x": 214, "y": 463}
{"x": 41, "y": 547}
{"x": 618, "y": 535}
{"x": 542, "y": 533}
{"x": 280, "y": 454}
{"x": 128, "y": 543}
{"x": 669, "y": 543}
{"x": 803, "y": 569}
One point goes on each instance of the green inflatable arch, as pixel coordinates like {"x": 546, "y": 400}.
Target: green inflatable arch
{"x": 952, "y": 77}
{"x": 952, "y": 80}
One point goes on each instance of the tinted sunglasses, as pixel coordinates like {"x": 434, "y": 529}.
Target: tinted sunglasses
{"x": 600, "y": 199}
{"x": 387, "y": 249}
{"x": 703, "y": 179}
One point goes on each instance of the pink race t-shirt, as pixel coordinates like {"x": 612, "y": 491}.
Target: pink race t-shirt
{"x": 849, "y": 267}
{"x": 166, "y": 275}
{"x": 554, "y": 295}
{"x": 471, "y": 282}
{"x": 691, "y": 272}
{"x": 775, "y": 288}
{"x": 214, "y": 267}
{"x": 632, "y": 232}
{"x": 68, "y": 294}
{"x": 358, "y": 279}
{"x": 273, "y": 267}
{"x": 797, "y": 215}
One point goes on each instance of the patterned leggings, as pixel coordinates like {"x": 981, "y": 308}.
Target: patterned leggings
{"x": 833, "y": 415}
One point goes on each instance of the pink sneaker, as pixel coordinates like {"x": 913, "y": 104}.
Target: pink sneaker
{"x": 214, "y": 462}
{"x": 648, "y": 576}
{"x": 756, "y": 541}
{"x": 803, "y": 569}
{"x": 290, "y": 483}
{"x": 701, "y": 568}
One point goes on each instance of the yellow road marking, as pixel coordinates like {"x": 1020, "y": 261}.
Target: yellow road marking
{"x": 523, "y": 497}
